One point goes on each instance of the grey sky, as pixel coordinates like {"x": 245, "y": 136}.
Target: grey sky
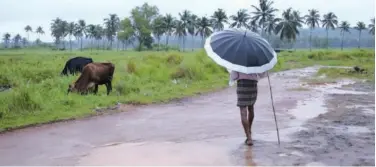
{"x": 16, "y": 14}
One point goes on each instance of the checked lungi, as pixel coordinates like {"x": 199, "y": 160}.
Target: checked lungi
{"x": 247, "y": 92}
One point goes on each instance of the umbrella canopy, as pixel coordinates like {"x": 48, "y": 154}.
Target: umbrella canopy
{"x": 241, "y": 50}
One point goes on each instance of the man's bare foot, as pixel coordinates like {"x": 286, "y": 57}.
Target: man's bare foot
{"x": 249, "y": 142}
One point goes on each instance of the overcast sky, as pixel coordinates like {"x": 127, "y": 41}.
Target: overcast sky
{"x": 16, "y": 14}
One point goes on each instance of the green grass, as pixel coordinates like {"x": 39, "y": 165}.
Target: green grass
{"x": 38, "y": 93}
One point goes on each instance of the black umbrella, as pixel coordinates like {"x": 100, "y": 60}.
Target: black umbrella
{"x": 241, "y": 50}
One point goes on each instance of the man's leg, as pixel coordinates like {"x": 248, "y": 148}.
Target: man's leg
{"x": 251, "y": 115}
{"x": 246, "y": 125}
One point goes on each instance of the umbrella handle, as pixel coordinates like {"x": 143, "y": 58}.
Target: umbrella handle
{"x": 275, "y": 117}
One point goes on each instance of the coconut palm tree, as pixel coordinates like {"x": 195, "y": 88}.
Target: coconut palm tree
{"x": 169, "y": 25}
{"x": 70, "y": 30}
{"x": 90, "y": 30}
{"x": 288, "y": 27}
{"x": 39, "y": 31}
{"x": 240, "y": 19}
{"x": 203, "y": 28}
{"x": 270, "y": 26}
{"x": 158, "y": 29}
{"x": 80, "y": 31}
{"x": 312, "y": 19}
{"x": 263, "y": 12}
{"x": 360, "y": 26}
{"x": 192, "y": 27}
{"x": 6, "y": 39}
{"x": 218, "y": 19}
{"x": 299, "y": 20}
{"x": 180, "y": 31}
{"x": 344, "y": 27}
{"x": 371, "y": 27}
{"x": 64, "y": 30}
{"x": 28, "y": 29}
{"x": 78, "y": 34}
{"x": 24, "y": 41}
{"x": 253, "y": 26}
{"x": 112, "y": 25}
{"x": 184, "y": 17}
{"x": 329, "y": 21}
{"x": 59, "y": 30}
{"x": 16, "y": 40}
{"x": 98, "y": 33}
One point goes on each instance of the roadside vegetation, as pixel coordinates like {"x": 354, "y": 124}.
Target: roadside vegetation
{"x": 32, "y": 90}
{"x": 37, "y": 92}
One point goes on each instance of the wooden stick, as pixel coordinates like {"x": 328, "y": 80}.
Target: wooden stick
{"x": 275, "y": 117}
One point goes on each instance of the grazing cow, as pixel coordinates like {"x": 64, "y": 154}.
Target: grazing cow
{"x": 75, "y": 65}
{"x": 94, "y": 74}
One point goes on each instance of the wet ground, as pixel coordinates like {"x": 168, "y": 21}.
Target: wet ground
{"x": 320, "y": 124}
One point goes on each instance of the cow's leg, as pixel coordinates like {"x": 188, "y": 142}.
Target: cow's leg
{"x": 96, "y": 89}
{"x": 109, "y": 87}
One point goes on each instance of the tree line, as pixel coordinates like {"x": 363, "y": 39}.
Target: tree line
{"x": 145, "y": 27}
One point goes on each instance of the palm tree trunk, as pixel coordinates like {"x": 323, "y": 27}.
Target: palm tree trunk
{"x": 360, "y": 32}
{"x": 327, "y": 38}
{"x": 343, "y": 34}
{"x": 81, "y": 43}
{"x": 104, "y": 43}
{"x": 202, "y": 40}
{"x": 159, "y": 44}
{"x": 70, "y": 42}
{"x": 167, "y": 41}
{"x": 91, "y": 44}
{"x": 117, "y": 45}
{"x": 310, "y": 40}
{"x": 28, "y": 38}
{"x": 110, "y": 44}
{"x": 183, "y": 43}
{"x": 193, "y": 43}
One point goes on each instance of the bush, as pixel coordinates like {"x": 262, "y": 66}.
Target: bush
{"x": 174, "y": 59}
{"x": 21, "y": 101}
{"x": 131, "y": 67}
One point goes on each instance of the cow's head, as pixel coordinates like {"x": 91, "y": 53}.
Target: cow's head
{"x": 71, "y": 88}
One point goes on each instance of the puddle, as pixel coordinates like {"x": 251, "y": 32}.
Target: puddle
{"x": 369, "y": 111}
{"x": 309, "y": 109}
{"x": 357, "y": 129}
{"x": 334, "y": 88}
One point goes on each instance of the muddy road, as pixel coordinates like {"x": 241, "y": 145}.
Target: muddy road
{"x": 320, "y": 124}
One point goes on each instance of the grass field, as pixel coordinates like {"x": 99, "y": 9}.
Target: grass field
{"x": 38, "y": 92}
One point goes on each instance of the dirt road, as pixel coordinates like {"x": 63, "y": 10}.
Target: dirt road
{"x": 320, "y": 124}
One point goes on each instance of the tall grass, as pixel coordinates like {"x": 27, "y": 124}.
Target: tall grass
{"x": 38, "y": 92}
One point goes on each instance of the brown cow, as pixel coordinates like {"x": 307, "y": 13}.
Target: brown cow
{"x": 94, "y": 74}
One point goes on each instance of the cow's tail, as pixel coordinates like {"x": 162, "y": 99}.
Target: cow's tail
{"x": 65, "y": 70}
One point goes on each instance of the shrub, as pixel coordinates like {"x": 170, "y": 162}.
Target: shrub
{"x": 174, "y": 59}
{"x": 131, "y": 67}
